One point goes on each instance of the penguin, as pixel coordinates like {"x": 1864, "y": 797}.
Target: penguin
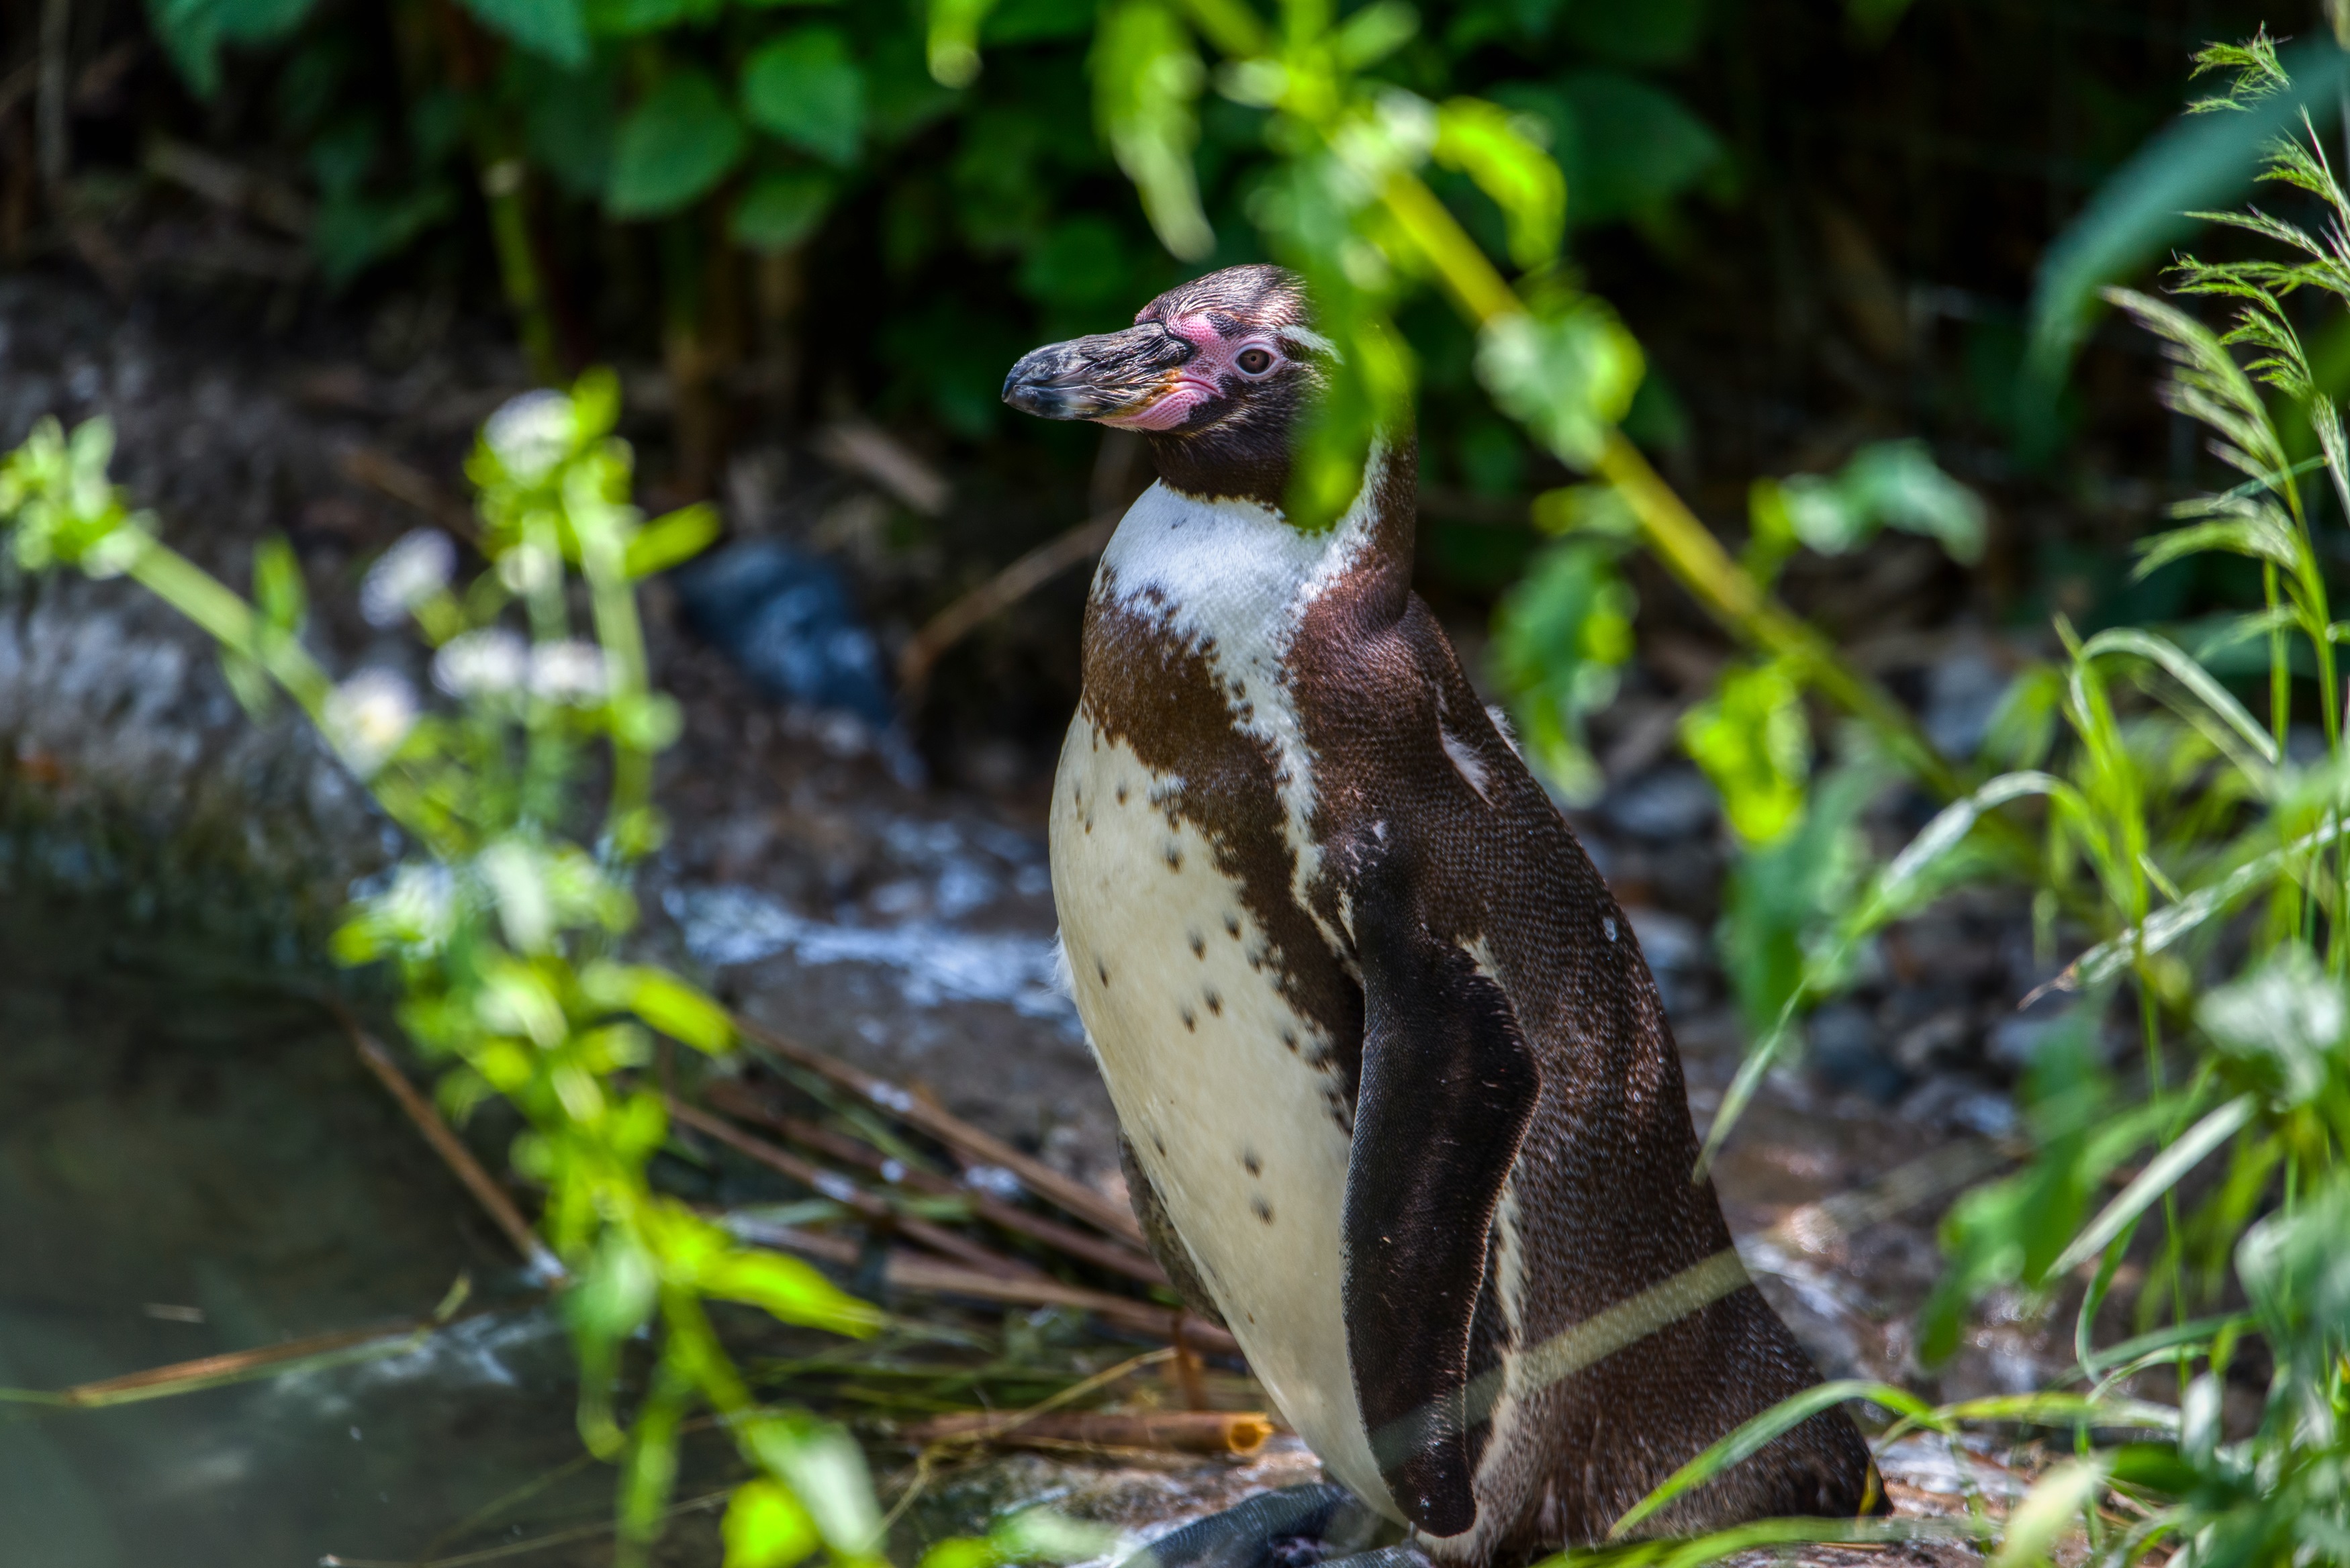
{"x": 1400, "y": 1105}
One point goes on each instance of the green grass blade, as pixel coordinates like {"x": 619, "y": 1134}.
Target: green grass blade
{"x": 1755, "y": 1435}
{"x": 2160, "y": 1173}
{"x": 2189, "y": 674}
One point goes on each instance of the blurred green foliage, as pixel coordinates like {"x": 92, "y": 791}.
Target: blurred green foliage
{"x": 974, "y": 148}
{"x": 505, "y": 920}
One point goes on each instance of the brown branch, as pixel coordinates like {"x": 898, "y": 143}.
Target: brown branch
{"x": 453, "y": 1153}
{"x": 906, "y": 1271}
{"x": 1180, "y": 1432}
{"x": 982, "y": 1148}
{"x": 387, "y": 475}
{"x": 937, "y": 1238}
{"x": 1000, "y": 592}
{"x": 742, "y": 1103}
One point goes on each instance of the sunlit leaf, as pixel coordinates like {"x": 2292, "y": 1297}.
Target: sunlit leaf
{"x": 672, "y": 541}
{"x": 2052, "y": 1508}
{"x": 1146, "y": 81}
{"x": 953, "y": 40}
{"x": 825, "y": 1469}
{"x": 1561, "y": 638}
{"x": 790, "y": 1289}
{"x": 765, "y": 1527}
{"x": 1755, "y": 742}
{"x": 1492, "y": 148}
{"x": 1567, "y": 375}
{"x": 2284, "y": 1022}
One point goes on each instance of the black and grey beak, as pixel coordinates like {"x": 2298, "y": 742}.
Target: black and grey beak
{"x": 1105, "y": 376}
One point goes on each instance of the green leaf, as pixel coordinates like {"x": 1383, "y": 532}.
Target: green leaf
{"x": 806, "y": 88}
{"x": 2173, "y": 661}
{"x": 2283, "y": 1024}
{"x": 1782, "y": 898}
{"x": 552, "y": 28}
{"x": 192, "y": 31}
{"x": 2051, "y": 1510}
{"x": 1753, "y": 742}
{"x": 790, "y": 1289}
{"x": 615, "y": 1292}
{"x": 782, "y": 210}
{"x": 1146, "y": 82}
{"x": 1497, "y": 149}
{"x": 661, "y": 999}
{"x": 280, "y": 597}
{"x": 2161, "y": 1173}
{"x": 672, "y": 540}
{"x": 1627, "y": 146}
{"x": 568, "y": 121}
{"x": 1561, "y": 638}
{"x": 352, "y": 231}
{"x": 1898, "y": 482}
{"x": 954, "y": 39}
{"x": 1567, "y": 375}
{"x": 824, "y": 1468}
{"x": 673, "y": 146}
{"x": 1754, "y": 1435}
{"x": 765, "y": 1527}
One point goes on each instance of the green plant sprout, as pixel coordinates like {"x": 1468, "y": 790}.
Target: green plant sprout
{"x": 503, "y": 929}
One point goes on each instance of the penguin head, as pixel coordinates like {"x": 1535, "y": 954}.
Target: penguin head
{"x": 1218, "y": 372}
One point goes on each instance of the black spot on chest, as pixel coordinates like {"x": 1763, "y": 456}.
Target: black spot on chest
{"x": 1157, "y": 692}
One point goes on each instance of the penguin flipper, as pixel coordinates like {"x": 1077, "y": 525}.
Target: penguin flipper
{"x": 1447, "y": 1090}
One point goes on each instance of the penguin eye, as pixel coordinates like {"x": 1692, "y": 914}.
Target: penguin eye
{"x": 1254, "y": 362}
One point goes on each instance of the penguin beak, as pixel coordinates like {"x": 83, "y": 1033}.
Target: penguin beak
{"x": 1118, "y": 378}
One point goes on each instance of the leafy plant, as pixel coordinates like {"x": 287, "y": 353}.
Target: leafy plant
{"x": 2166, "y": 806}
{"x": 504, "y": 922}
{"x": 2186, "y": 829}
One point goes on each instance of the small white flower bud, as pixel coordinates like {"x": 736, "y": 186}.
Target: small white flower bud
{"x": 481, "y": 663}
{"x": 569, "y": 671}
{"x": 531, "y": 434}
{"x": 526, "y": 569}
{"x": 369, "y": 715}
{"x": 415, "y": 568}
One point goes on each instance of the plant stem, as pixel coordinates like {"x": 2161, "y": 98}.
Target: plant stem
{"x": 504, "y": 190}
{"x": 1674, "y": 535}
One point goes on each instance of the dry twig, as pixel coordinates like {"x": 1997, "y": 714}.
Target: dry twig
{"x": 1179, "y": 1431}
{"x": 907, "y": 1272}
{"x": 980, "y": 1147}
{"x": 937, "y": 1238}
{"x": 742, "y": 1104}
{"x": 1000, "y": 592}
{"x": 454, "y": 1154}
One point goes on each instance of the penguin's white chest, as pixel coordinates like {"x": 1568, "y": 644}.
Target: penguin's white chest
{"x": 1208, "y": 1065}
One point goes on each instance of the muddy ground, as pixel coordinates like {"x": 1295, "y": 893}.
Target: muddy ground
{"x": 903, "y": 927}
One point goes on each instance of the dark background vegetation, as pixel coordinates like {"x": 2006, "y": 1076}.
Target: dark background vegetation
{"x": 1821, "y": 221}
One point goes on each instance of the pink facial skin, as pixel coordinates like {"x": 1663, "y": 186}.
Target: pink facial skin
{"x": 1203, "y": 378}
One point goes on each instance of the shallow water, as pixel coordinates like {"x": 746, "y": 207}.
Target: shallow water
{"x": 194, "y": 1163}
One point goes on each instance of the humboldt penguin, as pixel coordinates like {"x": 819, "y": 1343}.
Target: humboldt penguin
{"x": 1401, "y": 1107}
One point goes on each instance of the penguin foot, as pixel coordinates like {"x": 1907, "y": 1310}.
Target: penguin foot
{"x": 1293, "y": 1527}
